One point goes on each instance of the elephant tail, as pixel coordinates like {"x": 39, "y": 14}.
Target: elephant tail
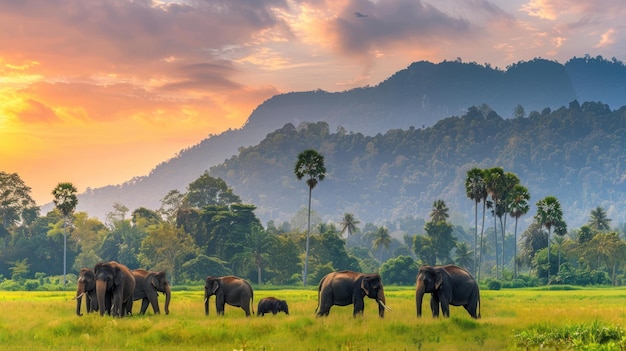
{"x": 252, "y": 302}
{"x": 478, "y": 306}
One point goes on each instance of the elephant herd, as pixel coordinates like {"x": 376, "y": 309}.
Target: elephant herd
{"x": 114, "y": 286}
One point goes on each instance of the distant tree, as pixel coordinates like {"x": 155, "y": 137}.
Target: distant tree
{"x": 585, "y": 234}
{"x": 518, "y": 111}
{"x": 400, "y": 270}
{"x": 167, "y": 247}
{"x": 549, "y": 215}
{"x": 88, "y": 234}
{"x": 170, "y": 205}
{"x": 439, "y": 211}
{"x": 257, "y": 246}
{"x": 381, "y": 239}
{"x": 65, "y": 201}
{"x": 143, "y": 217}
{"x": 463, "y": 256}
{"x": 424, "y": 250}
{"x": 310, "y": 165}
{"x": 598, "y": 220}
{"x": 207, "y": 190}
{"x": 118, "y": 214}
{"x": 20, "y": 270}
{"x": 476, "y": 190}
{"x": 533, "y": 239}
{"x": 518, "y": 206}
{"x": 15, "y": 202}
{"x": 349, "y": 224}
{"x": 285, "y": 260}
{"x": 441, "y": 239}
{"x": 494, "y": 180}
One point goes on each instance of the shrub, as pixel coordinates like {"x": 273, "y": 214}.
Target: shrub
{"x": 494, "y": 285}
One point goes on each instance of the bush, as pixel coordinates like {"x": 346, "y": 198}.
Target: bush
{"x": 10, "y": 285}
{"x": 31, "y": 285}
{"x": 494, "y": 285}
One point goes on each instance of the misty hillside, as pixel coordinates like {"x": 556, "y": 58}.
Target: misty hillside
{"x": 575, "y": 153}
{"x": 417, "y": 96}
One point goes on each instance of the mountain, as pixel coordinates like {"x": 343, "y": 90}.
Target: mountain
{"x": 418, "y": 96}
{"x": 574, "y": 153}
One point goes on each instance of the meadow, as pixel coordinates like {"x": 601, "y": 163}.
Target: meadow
{"x": 516, "y": 319}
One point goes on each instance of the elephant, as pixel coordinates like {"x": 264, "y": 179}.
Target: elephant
{"x": 448, "y": 285}
{"x": 147, "y": 286}
{"x": 343, "y": 288}
{"x": 273, "y": 305}
{"x": 228, "y": 290}
{"x": 87, "y": 288}
{"x": 115, "y": 285}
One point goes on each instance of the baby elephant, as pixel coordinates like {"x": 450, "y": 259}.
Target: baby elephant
{"x": 271, "y": 304}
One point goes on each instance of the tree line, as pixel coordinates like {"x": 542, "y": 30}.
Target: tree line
{"x": 209, "y": 230}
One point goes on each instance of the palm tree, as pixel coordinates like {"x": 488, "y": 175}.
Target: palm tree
{"x": 349, "y": 224}
{"x": 474, "y": 189}
{"x": 598, "y": 220}
{"x": 258, "y": 246}
{"x": 463, "y": 255}
{"x": 518, "y": 206}
{"x": 310, "y": 164}
{"x": 439, "y": 212}
{"x": 509, "y": 182}
{"x": 381, "y": 239}
{"x": 549, "y": 215}
{"x": 494, "y": 179}
{"x": 65, "y": 201}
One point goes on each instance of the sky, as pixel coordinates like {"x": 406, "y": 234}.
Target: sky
{"x": 96, "y": 92}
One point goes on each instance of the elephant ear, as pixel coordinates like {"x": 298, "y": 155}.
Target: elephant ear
{"x": 154, "y": 280}
{"x": 438, "y": 280}
{"x": 118, "y": 276}
{"x": 365, "y": 285}
{"x": 214, "y": 286}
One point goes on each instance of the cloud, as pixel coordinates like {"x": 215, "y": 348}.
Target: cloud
{"x": 606, "y": 39}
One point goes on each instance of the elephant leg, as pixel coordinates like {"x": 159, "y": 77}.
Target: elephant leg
{"x": 359, "y": 306}
{"x": 144, "y": 305}
{"x": 445, "y": 308}
{"x": 434, "y": 305}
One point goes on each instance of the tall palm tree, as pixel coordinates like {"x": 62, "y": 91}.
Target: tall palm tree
{"x": 494, "y": 178}
{"x": 549, "y": 215}
{"x": 439, "y": 212}
{"x": 381, "y": 239}
{"x": 65, "y": 201}
{"x": 258, "y": 246}
{"x": 509, "y": 182}
{"x": 310, "y": 165}
{"x": 518, "y": 206}
{"x": 599, "y": 220}
{"x": 474, "y": 189}
{"x": 349, "y": 224}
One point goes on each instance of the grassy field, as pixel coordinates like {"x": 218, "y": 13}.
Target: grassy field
{"x": 585, "y": 319}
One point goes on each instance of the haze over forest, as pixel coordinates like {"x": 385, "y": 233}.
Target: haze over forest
{"x": 394, "y": 148}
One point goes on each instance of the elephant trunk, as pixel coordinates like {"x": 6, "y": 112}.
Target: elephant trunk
{"x": 79, "y": 297}
{"x": 101, "y": 290}
{"x": 206, "y": 305}
{"x": 168, "y": 296}
{"x": 419, "y": 296}
{"x": 381, "y": 303}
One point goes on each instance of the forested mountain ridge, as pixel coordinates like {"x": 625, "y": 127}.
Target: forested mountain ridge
{"x": 419, "y": 96}
{"x": 575, "y": 153}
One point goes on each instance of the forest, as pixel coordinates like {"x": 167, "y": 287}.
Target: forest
{"x": 511, "y": 175}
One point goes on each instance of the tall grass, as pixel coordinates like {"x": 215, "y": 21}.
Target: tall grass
{"x": 586, "y": 319}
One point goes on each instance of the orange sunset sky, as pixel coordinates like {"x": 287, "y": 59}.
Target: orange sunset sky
{"x": 95, "y": 92}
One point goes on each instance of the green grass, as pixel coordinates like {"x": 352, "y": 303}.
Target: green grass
{"x": 528, "y": 319}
